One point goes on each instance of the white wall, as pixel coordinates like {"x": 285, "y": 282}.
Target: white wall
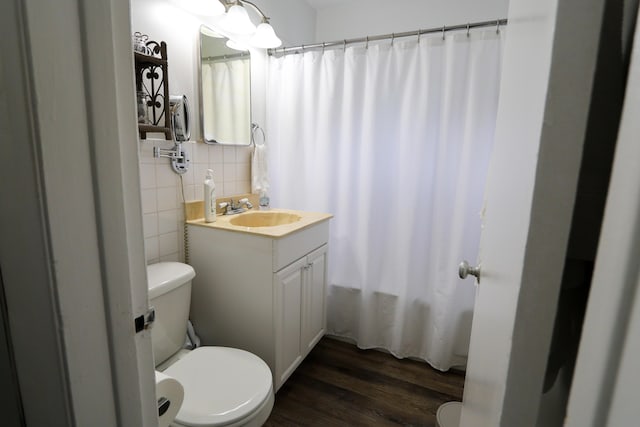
{"x": 359, "y": 18}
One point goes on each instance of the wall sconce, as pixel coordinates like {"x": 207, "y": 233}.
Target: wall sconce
{"x": 236, "y": 22}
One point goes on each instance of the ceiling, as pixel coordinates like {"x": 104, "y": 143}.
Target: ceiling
{"x": 319, "y": 4}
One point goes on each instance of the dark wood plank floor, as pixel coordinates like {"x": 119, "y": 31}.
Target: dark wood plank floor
{"x": 341, "y": 385}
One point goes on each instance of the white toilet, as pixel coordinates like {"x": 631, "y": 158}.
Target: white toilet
{"x": 222, "y": 386}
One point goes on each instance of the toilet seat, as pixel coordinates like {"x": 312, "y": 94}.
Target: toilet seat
{"x": 222, "y": 386}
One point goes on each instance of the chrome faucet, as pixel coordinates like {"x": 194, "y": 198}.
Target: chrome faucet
{"x": 231, "y": 208}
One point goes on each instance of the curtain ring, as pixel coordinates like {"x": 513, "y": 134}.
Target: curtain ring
{"x": 467, "y": 29}
{"x": 367, "y": 44}
{"x": 302, "y": 46}
{"x": 443, "y": 32}
{"x": 393, "y": 37}
{"x": 324, "y": 44}
{"x": 418, "y": 35}
{"x": 498, "y": 27}
{"x": 344, "y": 45}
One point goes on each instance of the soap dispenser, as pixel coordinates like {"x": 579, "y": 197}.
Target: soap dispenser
{"x": 209, "y": 197}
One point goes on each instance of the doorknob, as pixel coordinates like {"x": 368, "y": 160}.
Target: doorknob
{"x": 464, "y": 269}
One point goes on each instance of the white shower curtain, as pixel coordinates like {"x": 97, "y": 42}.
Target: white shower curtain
{"x": 394, "y": 140}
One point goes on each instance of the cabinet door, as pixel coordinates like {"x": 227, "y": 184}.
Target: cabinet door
{"x": 313, "y": 299}
{"x": 288, "y": 285}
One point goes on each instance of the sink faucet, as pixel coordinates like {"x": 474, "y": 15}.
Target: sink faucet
{"x": 231, "y": 208}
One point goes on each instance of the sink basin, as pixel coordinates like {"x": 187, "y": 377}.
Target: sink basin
{"x": 264, "y": 219}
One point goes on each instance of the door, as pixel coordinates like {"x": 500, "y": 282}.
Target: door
{"x": 71, "y": 251}
{"x": 313, "y": 299}
{"x": 288, "y": 284}
{"x": 548, "y": 68}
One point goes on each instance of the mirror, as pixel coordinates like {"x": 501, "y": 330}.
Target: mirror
{"x": 225, "y": 91}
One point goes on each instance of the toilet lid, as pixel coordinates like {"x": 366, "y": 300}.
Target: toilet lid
{"x": 221, "y": 385}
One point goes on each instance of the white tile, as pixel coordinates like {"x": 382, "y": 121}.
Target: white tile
{"x": 229, "y": 172}
{"x": 218, "y": 173}
{"x": 229, "y": 188}
{"x": 198, "y": 192}
{"x": 201, "y": 153}
{"x": 189, "y": 192}
{"x": 167, "y": 221}
{"x": 229, "y": 154}
{"x": 243, "y": 172}
{"x": 147, "y": 176}
{"x": 243, "y": 187}
{"x": 216, "y": 154}
{"x": 167, "y": 198}
{"x": 168, "y": 243}
{"x": 149, "y": 201}
{"x": 150, "y": 224}
{"x": 174, "y": 257}
{"x": 243, "y": 154}
{"x": 200, "y": 173}
{"x": 146, "y": 152}
{"x": 151, "y": 249}
{"x": 165, "y": 176}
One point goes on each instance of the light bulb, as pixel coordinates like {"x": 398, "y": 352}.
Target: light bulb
{"x": 237, "y": 21}
{"x": 265, "y": 37}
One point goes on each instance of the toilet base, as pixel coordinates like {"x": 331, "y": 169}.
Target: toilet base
{"x": 448, "y": 414}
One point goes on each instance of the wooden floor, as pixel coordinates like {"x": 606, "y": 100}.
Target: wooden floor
{"x": 341, "y": 385}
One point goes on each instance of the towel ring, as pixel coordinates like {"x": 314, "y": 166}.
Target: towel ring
{"x": 254, "y": 128}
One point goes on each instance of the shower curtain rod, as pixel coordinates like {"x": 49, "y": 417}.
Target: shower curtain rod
{"x": 343, "y": 43}
{"x": 224, "y": 57}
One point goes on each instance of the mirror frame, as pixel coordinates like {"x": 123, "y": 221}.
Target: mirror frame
{"x": 201, "y": 96}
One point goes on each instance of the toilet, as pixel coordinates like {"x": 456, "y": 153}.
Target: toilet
{"x": 222, "y": 386}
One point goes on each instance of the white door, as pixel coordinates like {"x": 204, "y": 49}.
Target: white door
{"x": 288, "y": 285}
{"x": 73, "y": 270}
{"x": 314, "y": 299}
{"x": 548, "y": 68}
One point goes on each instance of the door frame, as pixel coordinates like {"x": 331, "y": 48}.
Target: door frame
{"x": 606, "y": 375}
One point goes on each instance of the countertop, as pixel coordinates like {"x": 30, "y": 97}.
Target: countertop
{"x": 307, "y": 219}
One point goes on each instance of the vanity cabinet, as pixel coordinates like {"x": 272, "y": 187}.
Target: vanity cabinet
{"x": 262, "y": 294}
{"x": 300, "y": 311}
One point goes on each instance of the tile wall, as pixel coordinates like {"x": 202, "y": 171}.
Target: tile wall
{"x": 161, "y": 190}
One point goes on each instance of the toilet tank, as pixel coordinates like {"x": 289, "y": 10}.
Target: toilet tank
{"x": 170, "y": 295}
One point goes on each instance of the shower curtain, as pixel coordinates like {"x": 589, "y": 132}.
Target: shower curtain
{"x": 226, "y": 103}
{"x": 394, "y": 140}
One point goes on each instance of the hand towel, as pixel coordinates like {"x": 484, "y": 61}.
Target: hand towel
{"x": 259, "y": 170}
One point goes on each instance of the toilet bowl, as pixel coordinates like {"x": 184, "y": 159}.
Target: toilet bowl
{"x": 222, "y": 386}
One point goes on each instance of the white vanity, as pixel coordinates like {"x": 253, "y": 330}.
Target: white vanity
{"x": 260, "y": 284}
